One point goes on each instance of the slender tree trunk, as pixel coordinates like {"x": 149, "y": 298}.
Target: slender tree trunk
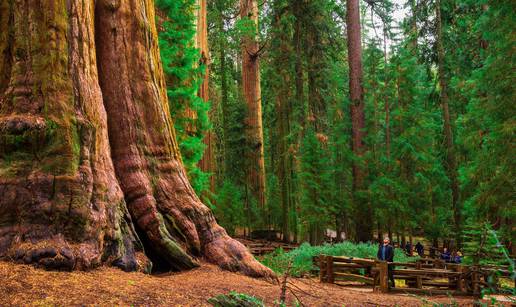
{"x": 207, "y": 163}
{"x": 299, "y": 63}
{"x": 386, "y": 98}
{"x": 224, "y": 99}
{"x": 283, "y": 93}
{"x": 363, "y": 210}
{"x": 67, "y": 210}
{"x": 451, "y": 164}
{"x": 252, "y": 96}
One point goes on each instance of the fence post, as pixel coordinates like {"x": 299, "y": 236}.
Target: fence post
{"x": 322, "y": 267}
{"x": 329, "y": 269}
{"x": 460, "y": 281}
{"x": 419, "y": 279}
{"x": 383, "y": 271}
{"x": 475, "y": 281}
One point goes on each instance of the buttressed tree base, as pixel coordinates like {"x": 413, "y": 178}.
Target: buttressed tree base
{"x": 90, "y": 172}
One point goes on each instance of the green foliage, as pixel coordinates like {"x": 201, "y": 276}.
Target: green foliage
{"x": 184, "y": 75}
{"x": 304, "y": 70}
{"x": 228, "y": 207}
{"x": 234, "y": 299}
{"x": 301, "y": 258}
{"x": 481, "y": 246}
{"x": 315, "y": 180}
{"x": 488, "y": 128}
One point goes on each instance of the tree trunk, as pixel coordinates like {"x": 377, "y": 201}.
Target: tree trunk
{"x": 386, "y": 98}
{"x": 363, "y": 211}
{"x": 207, "y": 163}
{"x": 252, "y": 95}
{"x": 283, "y": 93}
{"x": 62, "y": 205}
{"x": 451, "y": 164}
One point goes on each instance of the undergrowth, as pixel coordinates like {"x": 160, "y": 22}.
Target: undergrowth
{"x": 301, "y": 257}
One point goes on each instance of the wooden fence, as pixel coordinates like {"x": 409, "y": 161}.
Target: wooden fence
{"x": 262, "y": 247}
{"x": 425, "y": 276}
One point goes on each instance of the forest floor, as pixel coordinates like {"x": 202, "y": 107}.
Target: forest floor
{"x": 26, "y": 285}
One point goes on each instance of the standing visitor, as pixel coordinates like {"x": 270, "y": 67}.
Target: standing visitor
{"x": 445, "y": 255}
{"x": 408, "y": 249}
{"x": 420, "y": 249}
{"x": 386, "y": 253}
{"x": 457, "y": 258}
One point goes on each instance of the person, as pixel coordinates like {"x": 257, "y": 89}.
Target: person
{"x": 386, "y": 253}
{"x": 445, "y": 255}
{"x": 458, "y": 258}
{"x": 420, "y": 249}
{"x": 408, "y": 249}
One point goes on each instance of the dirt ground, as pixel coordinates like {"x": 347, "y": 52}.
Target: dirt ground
{"x": 22, "y": 285}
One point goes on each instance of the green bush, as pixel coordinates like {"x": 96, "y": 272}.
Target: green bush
{"x": 234, "y": 299}
{"x": 301, "y": 257}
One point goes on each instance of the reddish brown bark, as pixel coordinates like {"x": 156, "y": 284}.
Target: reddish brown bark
{"x": 62, "y": 206}
{"x": 252, "y": 95}
{"x": 356, "y": 93}
{"x": 207, "y": 163}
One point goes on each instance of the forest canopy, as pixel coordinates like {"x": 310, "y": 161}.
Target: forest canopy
{"x": 422, "y": 149}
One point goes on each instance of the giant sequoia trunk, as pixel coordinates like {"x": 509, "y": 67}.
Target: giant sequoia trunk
{"x": 252, "y": 95}
{"x": 89, "y": 163}
{"x": 356, "y": 93}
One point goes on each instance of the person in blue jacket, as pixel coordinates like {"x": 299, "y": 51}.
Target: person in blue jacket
{"x": 445, "y": 255}
{"x": 386, "y": 253}
{"x": 458, "y": 257}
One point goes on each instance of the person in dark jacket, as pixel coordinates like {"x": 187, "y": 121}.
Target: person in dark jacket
{"x": 386, "y": 253}
{"x": 408, "y": 249}
{"x": 446, "y": 255}
{"x": 420, "y": 249}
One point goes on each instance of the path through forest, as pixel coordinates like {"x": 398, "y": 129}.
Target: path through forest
{"x": 24, "y": 285}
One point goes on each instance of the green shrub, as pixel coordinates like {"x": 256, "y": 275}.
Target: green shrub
{"x": 234, "y": 299}
{"x": 301, "y": 257}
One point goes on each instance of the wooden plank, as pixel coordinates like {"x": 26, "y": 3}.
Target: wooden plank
{"x": 349, "y": 265}
{"x": 425, "y": 272}
{"x": 426, "y": 291}
{"x": 404, "y": 264}
{"x": 353, "y": 277}
{"x": 438, "y": 284}
{"x": 369, "y": 262}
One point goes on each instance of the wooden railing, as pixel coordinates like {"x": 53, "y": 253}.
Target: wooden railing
{"x": 425, "y": 276}
{"x": 262, "y": 247}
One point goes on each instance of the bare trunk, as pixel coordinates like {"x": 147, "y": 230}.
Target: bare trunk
{"x": 252, "y": 95}
{"x": 363, "y": 210}
{"x": 451, "y": 166}
{"x": 72, "y": 212}
{"x": 386, "y": 98}
{"x": 207, "y": 163}
{"x": 283, "y": 110}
